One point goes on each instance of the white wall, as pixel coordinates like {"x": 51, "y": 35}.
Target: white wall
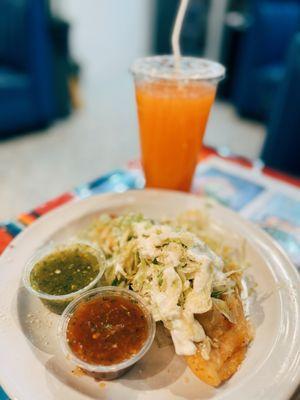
{"x": 107, "y": 35}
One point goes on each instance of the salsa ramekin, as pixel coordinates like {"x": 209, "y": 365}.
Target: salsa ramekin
{"x": 105, "y": 372}
{"x": 57, "y": 303}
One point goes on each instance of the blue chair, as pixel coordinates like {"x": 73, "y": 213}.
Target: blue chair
{"x": 3, "y": 395}
{"x": 282, "y": 146}
{"x": 262, "y": 55}
{"x": 26, "y": 76}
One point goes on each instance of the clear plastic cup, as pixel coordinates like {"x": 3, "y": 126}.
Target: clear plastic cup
{"x": 105, "y": 372}
{"x": 57, "y": 303}
{"x": 173, "y": 108}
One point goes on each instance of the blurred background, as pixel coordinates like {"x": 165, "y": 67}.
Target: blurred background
{"x": 67, "y": 107}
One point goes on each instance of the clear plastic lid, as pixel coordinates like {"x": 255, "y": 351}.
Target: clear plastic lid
{"x": 105, "y": 371}
{"x": 190, "y": 68}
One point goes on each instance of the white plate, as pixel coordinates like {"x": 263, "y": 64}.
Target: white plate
{"x": 32, "y": 366}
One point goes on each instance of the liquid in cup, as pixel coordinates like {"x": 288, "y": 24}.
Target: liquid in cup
{"x": 173, "y": 109}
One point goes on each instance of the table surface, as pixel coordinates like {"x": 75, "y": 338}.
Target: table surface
{"x": 248, "y": 191}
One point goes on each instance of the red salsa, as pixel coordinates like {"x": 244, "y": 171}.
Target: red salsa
{"x": 107, "y": 330}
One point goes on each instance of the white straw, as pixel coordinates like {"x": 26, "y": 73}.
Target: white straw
{"x": 177, "y": 30}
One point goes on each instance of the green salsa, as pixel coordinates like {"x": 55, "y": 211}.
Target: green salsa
{"x": 65, "y": 271}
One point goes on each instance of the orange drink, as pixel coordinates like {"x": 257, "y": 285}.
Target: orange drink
{"x": 172, "y": 119}
{"x": 173, "y": 110}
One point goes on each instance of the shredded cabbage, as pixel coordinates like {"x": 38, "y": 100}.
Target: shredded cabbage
{"x": 180, "y": 268}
